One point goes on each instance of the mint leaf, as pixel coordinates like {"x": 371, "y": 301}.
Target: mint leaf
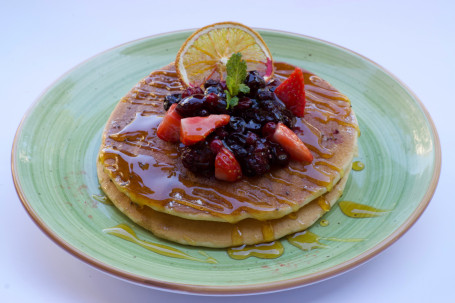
{"x": 244, "y": 88}
{"x": 231, "y": 101}
{"x": 236, "y": 74}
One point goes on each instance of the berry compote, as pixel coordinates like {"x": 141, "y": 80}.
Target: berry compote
{"x": 247, "y": 135}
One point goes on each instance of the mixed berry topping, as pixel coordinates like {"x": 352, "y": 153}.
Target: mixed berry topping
{"x": 248, "y": 138}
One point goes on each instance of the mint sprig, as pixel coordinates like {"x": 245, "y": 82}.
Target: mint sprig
{"x": 236, "y": 74}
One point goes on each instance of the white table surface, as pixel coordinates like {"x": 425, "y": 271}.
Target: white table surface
{"x": 415, "y": 40}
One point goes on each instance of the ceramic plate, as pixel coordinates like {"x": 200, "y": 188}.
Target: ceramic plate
{"x": 54, "y": 153}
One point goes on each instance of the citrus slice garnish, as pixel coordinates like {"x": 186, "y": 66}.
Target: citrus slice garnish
{"x": 205, "y": 53}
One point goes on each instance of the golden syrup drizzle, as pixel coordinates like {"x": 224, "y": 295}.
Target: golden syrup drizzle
{"x": 133, "y": 154}
{"x": 358, "y": 165}
{"x": 125, "y": 232}
{"x": 324, "y": 223}
{"x": 306, "y": 240}
{"x": 189, "y": 240}
{"x": 236, "y": 236}
{"x": 293, "y": 216}
{"x": 357, "y": 210}
{"x": 267, "y": 231}
{"x": 270, "y": 250}
{"x": 330, "y": 165}
{"x": 312, "y": 138}
{"x": 318, "y": 177}
{"x": 131, "y": 174}
{"x": 323, "y": 203}
{"x": 102, "y": 199}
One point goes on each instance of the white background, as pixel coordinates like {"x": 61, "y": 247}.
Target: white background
{"x": 41, "y": 40}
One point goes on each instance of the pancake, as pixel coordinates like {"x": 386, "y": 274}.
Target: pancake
{"x": 219, "y": 234}
{"x": 148, "y": 171}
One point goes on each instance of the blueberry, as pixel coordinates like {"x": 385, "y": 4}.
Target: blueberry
{"x": 239, "y": 151}
{"x": 216, "y": 105}
{"x": 171, "y": 99}
{"x": 203, "y": 113}
{"x": 265, "y": 94}
{"x": 210, "y": 83}
{"x": 236, "y": 138}
{"x": 213, "y": 90}
{"x": 237, "y": 124}
{"x": 190, "y": 106}
{"x": 254, "y": 81}
{"x": 253, "y": 126}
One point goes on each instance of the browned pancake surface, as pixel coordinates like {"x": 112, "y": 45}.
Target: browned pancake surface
{"x": 148, "y": 170}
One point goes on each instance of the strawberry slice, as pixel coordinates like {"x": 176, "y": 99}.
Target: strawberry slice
{"x": 226, "y": 166}
{"x": 291, "y": 143}
{"x": 195, "y": 129}
{"x": 169, "y": 128}
{"x": 292, "y": 92}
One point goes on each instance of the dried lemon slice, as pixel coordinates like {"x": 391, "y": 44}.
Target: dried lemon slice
{"x": 205, "y": 53}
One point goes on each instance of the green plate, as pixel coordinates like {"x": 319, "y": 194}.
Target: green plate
{"x": 54, "y": 153}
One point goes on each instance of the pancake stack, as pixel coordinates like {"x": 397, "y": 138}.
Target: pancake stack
{"x": 144, "y": 178}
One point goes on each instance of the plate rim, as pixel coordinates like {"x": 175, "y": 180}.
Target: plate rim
{"x": 258, "y": 288}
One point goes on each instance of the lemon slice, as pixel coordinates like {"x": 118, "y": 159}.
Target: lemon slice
{"x": 205, "y": 53}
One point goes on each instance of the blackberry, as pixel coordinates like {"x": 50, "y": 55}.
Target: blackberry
{"x": 221, "y": 133}
{"x": 171, "y": 99}
{"x": 278, "y": 155}
{"x": 199, "y": 158}
{"x": 255, "y": 165}
{"x": 258, "y": 161}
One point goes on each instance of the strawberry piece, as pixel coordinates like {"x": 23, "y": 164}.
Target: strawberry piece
{"x": 195, "y": 129}
{"x": 292, "y": 143}
{"x": 292, "y": 92}
{"x": 169, "y": 128}
{"x": 226, "y": 166}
